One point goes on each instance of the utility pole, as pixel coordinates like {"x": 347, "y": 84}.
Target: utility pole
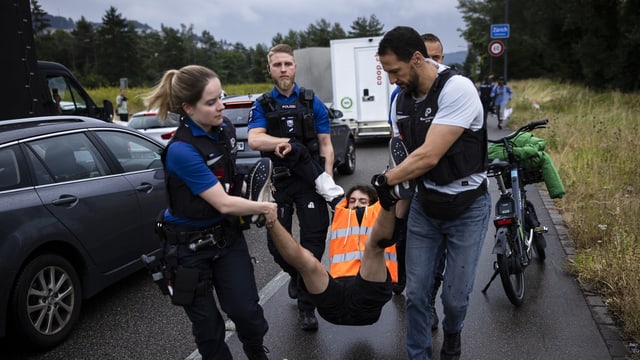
{"x": 506, "y": 41}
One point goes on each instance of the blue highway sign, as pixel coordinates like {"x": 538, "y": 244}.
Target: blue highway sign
{"x": 499, "y": 31}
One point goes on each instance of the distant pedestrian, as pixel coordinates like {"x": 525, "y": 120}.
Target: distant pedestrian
{"x": 502, "y": 94}
{"x": 485, "y": 89}
{"x": 122, "y": 106}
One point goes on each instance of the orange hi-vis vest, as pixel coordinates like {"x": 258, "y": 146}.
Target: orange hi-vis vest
{"x": 347, "y": 241}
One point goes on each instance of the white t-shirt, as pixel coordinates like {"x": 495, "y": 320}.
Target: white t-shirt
{"x": 458, "y": 105}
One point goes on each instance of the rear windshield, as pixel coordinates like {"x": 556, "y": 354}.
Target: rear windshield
{"x": 152, "y": 121}
{"x": 238, "y": 116}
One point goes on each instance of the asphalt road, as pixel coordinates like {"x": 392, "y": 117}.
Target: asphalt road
{"x": 132, "y": 320}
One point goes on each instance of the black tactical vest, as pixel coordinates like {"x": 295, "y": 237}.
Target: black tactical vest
{"x": 467, "y": 155}
{"x": 220, "y": 159}
{"x": 294, "y": 120}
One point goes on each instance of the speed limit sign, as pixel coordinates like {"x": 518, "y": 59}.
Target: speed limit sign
{"x": 496, "y": 48}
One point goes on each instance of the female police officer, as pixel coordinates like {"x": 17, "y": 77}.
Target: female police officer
{"x": 201, "y": 226}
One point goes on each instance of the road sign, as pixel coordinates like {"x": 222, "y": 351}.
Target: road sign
{"x": 496, "y": 48}
{"x": 499, "y": 31}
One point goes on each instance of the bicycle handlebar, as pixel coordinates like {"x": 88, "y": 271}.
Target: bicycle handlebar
{"x": 525, "y": 128}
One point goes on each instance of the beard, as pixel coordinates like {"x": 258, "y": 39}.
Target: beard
{"x": 284, "y": 84}
{"x": 412, "y": 85}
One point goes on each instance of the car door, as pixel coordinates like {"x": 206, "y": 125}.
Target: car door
{"x": 97, "y": 205}
{"x": 142, "y": 167}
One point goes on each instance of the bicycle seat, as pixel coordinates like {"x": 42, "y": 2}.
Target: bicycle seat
{"x": 496, "y": 166}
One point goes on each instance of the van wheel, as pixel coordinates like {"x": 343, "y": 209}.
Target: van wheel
{"x": 348, "y": 167}
{"x": 46, "y": 300}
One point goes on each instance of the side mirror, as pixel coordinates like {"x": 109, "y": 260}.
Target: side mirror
{"x": 107, "y": 108}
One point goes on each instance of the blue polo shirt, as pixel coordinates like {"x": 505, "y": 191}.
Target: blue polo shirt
{"x": 258, "y": 120}
{"x": 184, "y": 161}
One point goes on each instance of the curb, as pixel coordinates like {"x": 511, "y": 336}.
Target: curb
{"x": 610, "y": 332}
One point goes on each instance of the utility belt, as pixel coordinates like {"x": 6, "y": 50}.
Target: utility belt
{"x": 444, "y": 206}
{"x": 217, "y": 235}
{"x": 181, "y": 283}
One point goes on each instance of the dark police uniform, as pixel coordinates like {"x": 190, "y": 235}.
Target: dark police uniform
{"x": 195, "y": 161}
{"x": 300, "y": 117}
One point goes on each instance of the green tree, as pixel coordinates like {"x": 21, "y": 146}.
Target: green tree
{"x": 150, "y": 46}
{"x": 84, "y": 48}
{"x": 626, "y": 61}
{"x": 258, "y": 72}
{"x": 39, "y": 19}
{"x": 173, "y": 52}
{"x": 318, "y": 34}
{"x": 361, "y": 27}
{"x": 117, "y": 53}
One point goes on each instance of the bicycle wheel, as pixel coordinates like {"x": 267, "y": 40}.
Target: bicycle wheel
{"x": 511, "y": 271}
{"x": 539, "y": 242}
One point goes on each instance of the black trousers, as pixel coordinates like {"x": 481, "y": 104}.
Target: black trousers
{"x": 233, "y": 278}
{"x": 293, "y": 193}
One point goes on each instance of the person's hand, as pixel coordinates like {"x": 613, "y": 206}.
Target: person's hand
{"x": 271, "y": 215}
{"x": 384, "y": 191}
{"x": 282, "y": 149}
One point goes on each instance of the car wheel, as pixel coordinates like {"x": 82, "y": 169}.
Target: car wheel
{"x": 348, "y": 166}
{"x": 46, "y": 300}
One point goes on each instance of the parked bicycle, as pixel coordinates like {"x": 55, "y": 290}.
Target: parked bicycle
{"x": 518, "y": 230}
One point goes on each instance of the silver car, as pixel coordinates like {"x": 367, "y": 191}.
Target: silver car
{"x": 150, "y": 124}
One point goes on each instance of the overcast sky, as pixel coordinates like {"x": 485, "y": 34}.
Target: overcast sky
{"x": 253, "y": 22}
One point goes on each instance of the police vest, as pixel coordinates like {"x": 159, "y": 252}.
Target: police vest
{"x": 218, "y": 156}
{"x": 467, "y": 155}
{"x": 294, "y": 120}
{"x": 347, "y": 241}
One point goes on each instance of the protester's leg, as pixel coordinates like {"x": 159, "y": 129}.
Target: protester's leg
{"x": 314, "y": 275}
{"x": 373, "y": 266}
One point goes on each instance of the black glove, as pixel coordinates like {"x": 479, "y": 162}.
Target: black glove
{"x": 384, "y": 191}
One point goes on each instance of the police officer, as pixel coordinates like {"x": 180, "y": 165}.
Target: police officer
{"x": 289, "y": 113}
{"x": 203, "y": 241}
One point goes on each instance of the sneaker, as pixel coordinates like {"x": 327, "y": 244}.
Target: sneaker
{"x": 259, "y": 187}
{"x": 308, "y": 321}
{"x": 397, "y": 153}
{"x": 398, "y": 287}
{"x": 255, "y": 352}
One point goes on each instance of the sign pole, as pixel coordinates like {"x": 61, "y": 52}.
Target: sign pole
{"x": 506, "y": 46}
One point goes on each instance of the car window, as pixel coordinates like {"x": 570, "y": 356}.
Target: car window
{"x": 70, "y": 99}
{"x": 10, "y": 176}
{"x": 132, "y": 152}
{"x": 66, "y": 158}
{"x": 239, "y": 116}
